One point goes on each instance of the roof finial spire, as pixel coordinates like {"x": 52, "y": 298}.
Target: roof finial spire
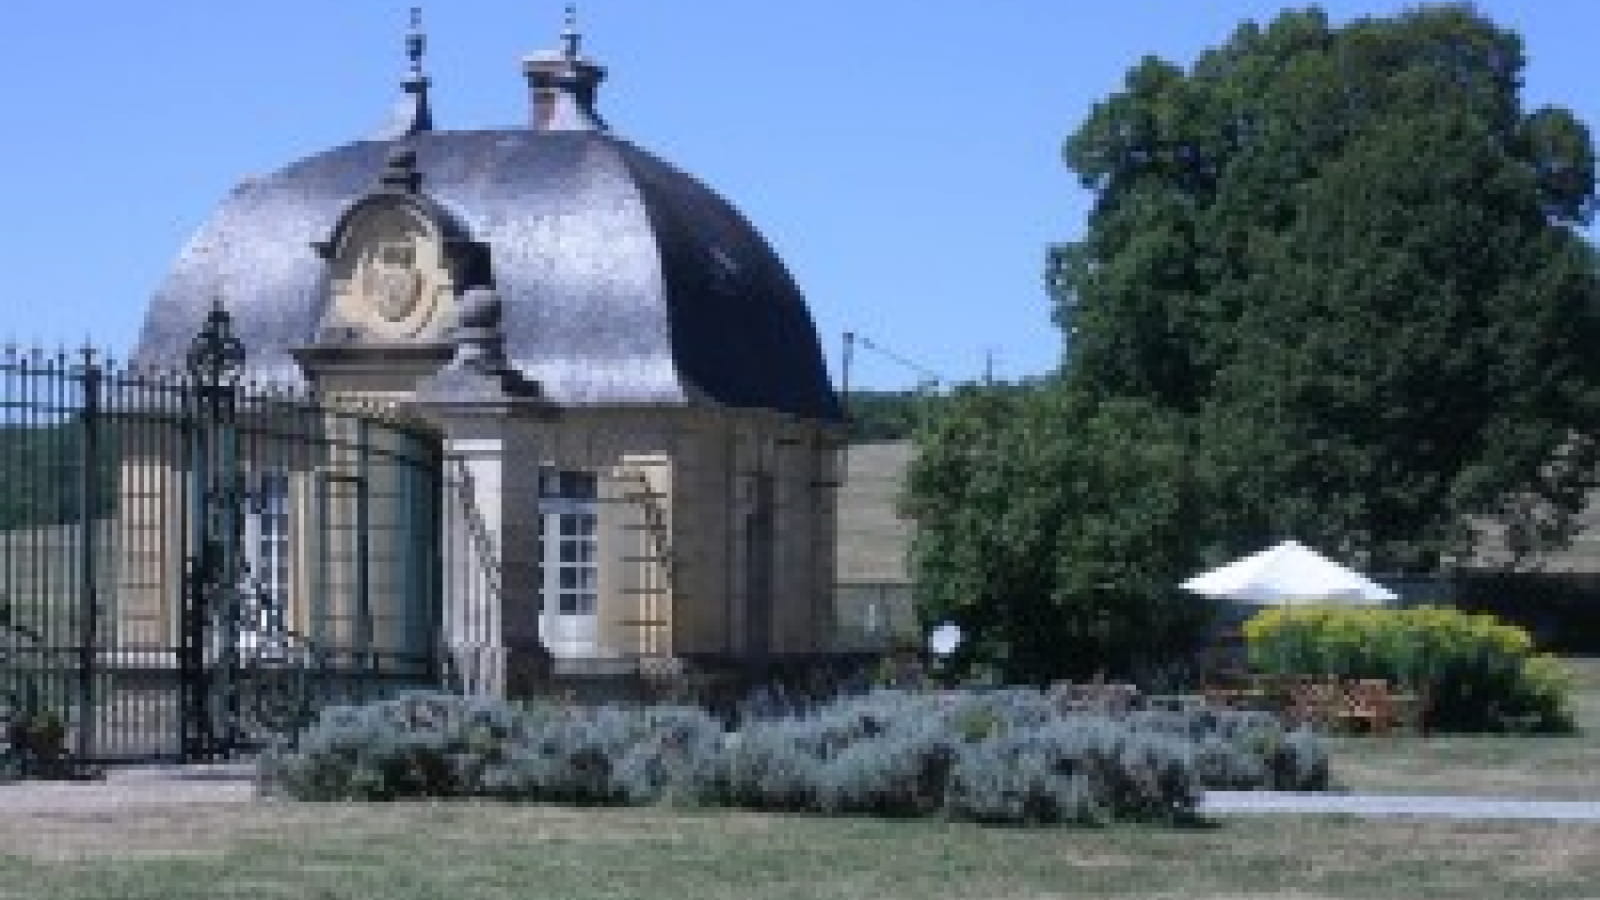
{"x": 416, "y": 42}
{"x": 571, "y": 37}
{"x": 412, "y": 113}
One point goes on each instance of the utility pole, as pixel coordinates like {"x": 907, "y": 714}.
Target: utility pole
{"x": 927, "y": 385}
{"x": 844, "y": 376}
{"x": 844, "y": 403}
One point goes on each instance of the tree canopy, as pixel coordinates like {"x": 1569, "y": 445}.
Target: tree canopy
{"x": 1052, "y": 530}
{"x": 886, "y": 415}
{"x": 1353, "y": 253}
{"x": 1331, "y": 287}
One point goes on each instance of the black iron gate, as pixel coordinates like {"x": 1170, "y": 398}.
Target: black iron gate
{"x": 191, "y": 565}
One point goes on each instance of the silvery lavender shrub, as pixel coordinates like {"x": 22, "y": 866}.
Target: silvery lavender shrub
{"x": 902, "y": 771}
{"x": 1001, "y": 756}
{"x": 1015, "y": 707}
{"x": 1153, "y": 776}
{"x": 675, "y": 761}
{"x": 769, "y": 765}
{"x": 1220, "y": 764}
{"x": 1080, "y": 768}
{"x": 1053, "y": 773}
{"x": 876, "y": 752}
{"x": 830, "y": 730}
{"x": 1299, "y": 762}
{"x": 572, "y": 756}
{"x": 413, "y": 745}
{"x": 1228, "y": 747}
{"x": 440, "y": 745}
{"x": 1243, "y": 750}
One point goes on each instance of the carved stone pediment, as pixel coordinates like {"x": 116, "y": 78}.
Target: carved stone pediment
{"x": 389, "y": 276}
{"x": 396, "y": 261}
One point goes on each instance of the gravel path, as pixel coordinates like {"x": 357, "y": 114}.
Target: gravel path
{"x": 34, "y": 799}
{"x": 1429, "y": 806}
{"x": 167, "y": 786}
{"x": 130, "y": 789}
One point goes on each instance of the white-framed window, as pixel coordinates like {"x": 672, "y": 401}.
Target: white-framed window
{"x": 268, "y": 540}
{"x": 577, "y": 574}
{"x": 570, "y": 562}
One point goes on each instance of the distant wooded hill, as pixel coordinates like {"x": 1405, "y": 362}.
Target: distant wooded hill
{"x": 41, "y": 476}
{"x": 886, "y": 415}
{"x": 877, "y": 416}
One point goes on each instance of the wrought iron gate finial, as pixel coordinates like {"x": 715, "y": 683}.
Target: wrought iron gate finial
{"x": 216, "y": 355}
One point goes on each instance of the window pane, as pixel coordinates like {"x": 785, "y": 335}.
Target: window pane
{"x": 569, "y": 578}
{"x": 267, "y": 557}
{"x": 571, "y": 485}
{"x": 569, "y": 604}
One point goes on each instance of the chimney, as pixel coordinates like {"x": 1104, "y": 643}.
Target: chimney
{"x": 562, "y": 84}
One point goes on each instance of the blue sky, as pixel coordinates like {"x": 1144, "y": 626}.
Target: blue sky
{"x": 902, "y": 155}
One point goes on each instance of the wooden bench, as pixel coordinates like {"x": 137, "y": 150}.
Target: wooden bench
{"x": 1366, "y": 704}
{"x": 1315, "y": 703}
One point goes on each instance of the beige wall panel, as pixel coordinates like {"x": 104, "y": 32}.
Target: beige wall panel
{"x": 647, "y": 595}
{"x": 792, "y": 539}
{"x": 825, "y": 572}
{"x": 613, "y": 605}
{"x": 794, "y": 618}
{"x": 699, "y": 543}
{"x": 151, "y": 550}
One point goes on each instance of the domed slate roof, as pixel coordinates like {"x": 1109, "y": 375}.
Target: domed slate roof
{"x": 623, "y": 280}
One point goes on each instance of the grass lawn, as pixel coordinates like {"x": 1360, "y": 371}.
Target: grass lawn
{"x": 465, "y": 851}
{"x": 469, "y": 851}
{"x": 1555, "y": 768}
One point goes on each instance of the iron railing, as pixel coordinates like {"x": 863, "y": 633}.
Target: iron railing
{"x": 472, "y": 653}
{"x": 191, "y": 566}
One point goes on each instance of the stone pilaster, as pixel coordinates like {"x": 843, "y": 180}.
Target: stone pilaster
{"x": 491, "y": 418}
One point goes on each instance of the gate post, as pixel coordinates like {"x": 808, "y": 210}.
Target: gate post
{"x": 215, "y": 362}
{"x": 88, "y": 598}
{"x": 490, "y": 413}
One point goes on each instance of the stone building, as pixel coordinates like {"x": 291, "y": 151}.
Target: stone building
{"x": 637, "y": 417}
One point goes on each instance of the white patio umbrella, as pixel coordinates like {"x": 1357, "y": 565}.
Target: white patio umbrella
{"x": 1289, "y": 574}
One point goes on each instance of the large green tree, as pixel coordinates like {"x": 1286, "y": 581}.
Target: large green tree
{"x": 1331, "y": 288}
{"x": 1053, "y": 529}
{"x": 1350, "y": 254}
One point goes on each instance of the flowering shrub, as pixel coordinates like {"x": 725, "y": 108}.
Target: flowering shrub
{"x": 32, "y": 738}
{"x": 1477, "y": 673}
{"x": 1006, "y": 756}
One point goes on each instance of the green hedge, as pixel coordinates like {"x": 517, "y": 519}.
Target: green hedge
{"x": 1007, "y": 756}
{"x": 1476, "y": 673}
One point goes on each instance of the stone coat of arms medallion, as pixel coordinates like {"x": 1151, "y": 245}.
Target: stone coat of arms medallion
{"x": 391, "y": 280}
